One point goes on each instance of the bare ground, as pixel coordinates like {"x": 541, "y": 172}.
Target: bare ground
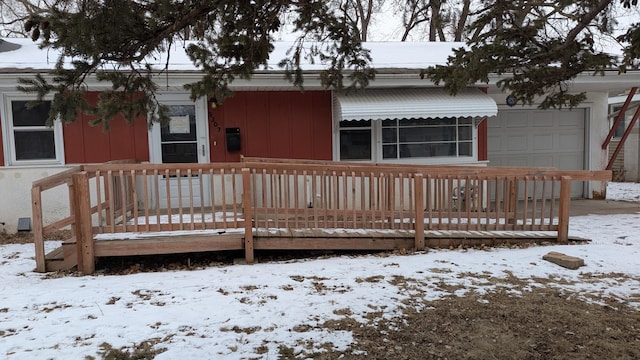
{"x": 540, "y": 324}
{"x": 513, "y": 322}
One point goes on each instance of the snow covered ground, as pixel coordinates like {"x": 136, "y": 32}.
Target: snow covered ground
{"x": 243, "y": 311}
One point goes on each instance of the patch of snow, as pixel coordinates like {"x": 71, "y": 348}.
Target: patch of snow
{"x": 623, "y": 191}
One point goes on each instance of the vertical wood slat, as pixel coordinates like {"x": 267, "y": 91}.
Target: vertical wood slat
{"x": 202, "y": 198}
{"x": 38, "y": 236}
{"x": 234, "y": 196}
{"x": 167, "y": 174}
{"x": 354, "y": 215}
{"x": 84, "y": 235}
{"x": 156, "y": 186}
{"x": 223, "y": 195}
{"x": 563, "y": 210}
{"x": 429, "y": 197}
{"x": 111, "y": 216}
{"x": 534, "y": 221}
{"x": 544, "y": 200}
{"x": 145, "y": 200}
{"x": 212, "y": 189}
{"x": 285, "y": 201}
{"x": 334, "y": 188}
{"x": 419, "y": 218}
{"x": 305, "y": 197}
{"x": 296, "y": 197}
{"x": 525, "y": 207}
{"x": 180, "y": 207}
{"x": 191, "y": 199}
{"x": 122, "y": 182}
{"x": 513, "y": 199}
{"x": 264, "y": 198}
{"x": 248, "y": 225}
{"x": 99, "y": 185}
{"x": 314, "y": 191}
{"x": 553, "y": 200}
{"x": 134, "y": 197}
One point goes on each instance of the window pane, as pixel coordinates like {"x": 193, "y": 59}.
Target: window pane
{"x": 389, "y": 122}
{"x": 465, "y": 148}
{"x": 464, "y": 133}
{"x": 389, "y": 151}
{"x": 428, "y": 134}
{"x": 180, "y": 153}
{"x": 25, "y": 116}
{"x": 34, "y": 145}
{"x": 464, "y": 121}
{"x": 427, "y": 150}
{"x": 389, "y": 135}
{"x": 355, "y": 144}
{"x": 182, "y": 126}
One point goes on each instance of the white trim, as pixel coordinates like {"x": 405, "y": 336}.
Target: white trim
{"x": 376, "y": 151}
{"x": 202, "y": 127}
{"x": 413, "y": 103}
{"x": 6, "y": 118}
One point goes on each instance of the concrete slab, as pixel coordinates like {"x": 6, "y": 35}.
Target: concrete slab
{"x": 602, "y": 207}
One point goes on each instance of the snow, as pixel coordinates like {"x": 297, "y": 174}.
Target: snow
{"x": 227, "y": 312}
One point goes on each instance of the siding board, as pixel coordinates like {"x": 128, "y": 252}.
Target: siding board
{"x": 84, "y": 143}
{"x": 279, "y": 124}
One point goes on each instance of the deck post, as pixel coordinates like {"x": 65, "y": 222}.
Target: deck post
{"x": 38, "y": 237}
{"x": 248, "y": 216}
{"x": 84, "y": 234}
{"x": 419, "y": 216}
{"x": 563, "y": 210}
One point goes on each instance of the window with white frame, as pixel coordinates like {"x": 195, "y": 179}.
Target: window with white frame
{"x": 399, "y": 139}
{"x": 28, "y": 140}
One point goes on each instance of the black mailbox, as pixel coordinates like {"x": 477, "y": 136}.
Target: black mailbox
{"x": 233, "y": 139}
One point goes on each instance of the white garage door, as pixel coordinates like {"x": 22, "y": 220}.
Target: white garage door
{"x": 538, "y": 138}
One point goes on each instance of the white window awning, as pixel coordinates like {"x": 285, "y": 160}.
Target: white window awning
{"x": 413, "y": 103}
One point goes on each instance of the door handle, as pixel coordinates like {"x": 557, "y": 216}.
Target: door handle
{"x": 202, "y": 150}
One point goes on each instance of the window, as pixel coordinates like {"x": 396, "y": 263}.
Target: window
{"x": 355, "y": 140}
{"x": 27, "y": 138}
{"x": 403, "y": 139}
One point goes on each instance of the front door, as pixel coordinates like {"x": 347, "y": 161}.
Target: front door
{"x": 183, "y": 140}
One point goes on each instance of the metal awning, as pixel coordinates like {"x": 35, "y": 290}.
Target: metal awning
{"x": 413, "y": 103}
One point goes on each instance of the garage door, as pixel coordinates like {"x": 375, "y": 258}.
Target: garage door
{"x": 538, "y": 138}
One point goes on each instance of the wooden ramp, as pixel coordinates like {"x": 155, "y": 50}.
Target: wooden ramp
{"x": 133, "y": 244}
{"x": 115, "y": 208}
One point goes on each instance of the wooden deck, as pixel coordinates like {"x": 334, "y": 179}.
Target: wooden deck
{"x": 116, "y": 209}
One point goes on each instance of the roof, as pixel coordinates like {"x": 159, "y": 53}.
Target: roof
{"x": 398, "y": 65}
{"x": 415, "y": 103}
{"x": 385, "y": 55}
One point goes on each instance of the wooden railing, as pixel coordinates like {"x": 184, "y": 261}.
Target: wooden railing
{"x": 284, "y": 194}
{"x": 56, "y": 181}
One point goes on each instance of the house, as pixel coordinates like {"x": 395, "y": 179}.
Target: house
{"x": 400, "y": 119}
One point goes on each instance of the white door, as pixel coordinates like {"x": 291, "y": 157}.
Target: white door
{"x": 538, "y": 138}
{"x": 183, "y": 140}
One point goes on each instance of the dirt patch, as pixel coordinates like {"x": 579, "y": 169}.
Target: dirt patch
{"x": 543, "y": 323}
{"x": 24, "y": 237}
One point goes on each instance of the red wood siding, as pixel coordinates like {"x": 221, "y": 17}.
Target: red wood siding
{"x": 482, "y": 141}
{"x": 87, "y": 144}
{"x": 282, "y": 124}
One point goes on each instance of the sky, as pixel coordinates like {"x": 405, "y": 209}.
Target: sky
{"x": 227, "y": 312}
